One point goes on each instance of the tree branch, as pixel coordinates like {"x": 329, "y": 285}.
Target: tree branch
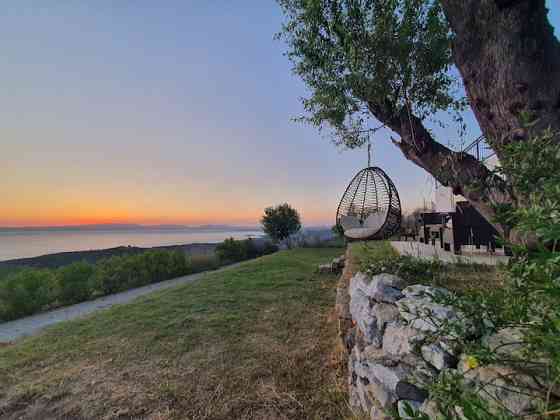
{"x": 464, "y": 174}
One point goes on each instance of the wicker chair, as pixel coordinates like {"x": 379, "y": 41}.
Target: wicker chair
{"x": 370, "y": 207}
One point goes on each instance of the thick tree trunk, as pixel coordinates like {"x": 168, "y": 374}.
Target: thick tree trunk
{"x": 509, "y": 60}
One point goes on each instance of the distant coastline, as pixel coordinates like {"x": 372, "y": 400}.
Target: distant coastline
{"x": 31, "y": 242}
{"x": 59, "y": 259}
{"x": 51, "y": 247}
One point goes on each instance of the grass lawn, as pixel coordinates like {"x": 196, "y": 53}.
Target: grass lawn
{"x": 253, "y": 342}
{"x": 460, "y": 278}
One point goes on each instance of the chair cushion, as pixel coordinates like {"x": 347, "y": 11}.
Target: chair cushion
{"x": 376, "y": 220}
{"x": 350, "y": 222}
{"x": 360, "y": 233}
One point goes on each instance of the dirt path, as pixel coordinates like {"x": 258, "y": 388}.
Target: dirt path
{"x": 12, "y": 330}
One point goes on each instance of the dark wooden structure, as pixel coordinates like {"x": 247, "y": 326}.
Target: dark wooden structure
{"x": 450, "y": 231}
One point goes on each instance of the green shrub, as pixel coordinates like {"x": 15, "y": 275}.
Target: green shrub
{"x": 30, "y": 290}
{"x": 200, "y": 263}
{"x": 75, "y": 282}
{"x": 179, "y": 264}
{"x": 25, "y": 293}
{"x": 269, "y": 248}
{"x": 111, "y": 276}
{"x": 409, "y": 268}
{"x": 231, "y": 251}
{"x": 120, "y": 273}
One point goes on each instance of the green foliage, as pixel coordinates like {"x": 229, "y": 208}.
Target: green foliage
{"x": 31, "y": 290}
{"x": 269, "y": 248}
{"x": 280, "y": 222}
{"x": 204, "y": 262}
{"x": 338, "y": 231}
{"x": 6, "y": 270}
{"x": 120, "y": 273}
{"x": 25, "y": 292}
{"x": 529, "y": 298}
{"x": 409, "y": 268}
{"x": 232, "y": 250}
{"x": 75, "y": 282}
{"x": 370, "y": 57}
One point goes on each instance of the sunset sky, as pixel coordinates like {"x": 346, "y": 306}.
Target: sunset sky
{"x": 166, "y": 112}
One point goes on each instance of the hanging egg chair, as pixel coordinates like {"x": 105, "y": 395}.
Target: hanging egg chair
{"x": 370, "y": 207}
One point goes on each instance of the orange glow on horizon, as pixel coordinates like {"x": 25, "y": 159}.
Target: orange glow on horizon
{"x": 311, "y": 219}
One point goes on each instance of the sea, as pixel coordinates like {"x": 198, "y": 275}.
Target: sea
{"x": 32, "y": 243}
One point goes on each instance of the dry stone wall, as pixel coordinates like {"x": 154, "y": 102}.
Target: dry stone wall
{"x": 395, "y": 350}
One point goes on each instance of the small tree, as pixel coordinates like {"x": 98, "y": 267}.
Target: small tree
{"x": 280, "y": 222}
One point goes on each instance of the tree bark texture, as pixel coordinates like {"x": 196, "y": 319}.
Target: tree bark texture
{"x": 509, "y": 60}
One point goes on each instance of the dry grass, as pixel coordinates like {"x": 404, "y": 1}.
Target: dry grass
{"x": 253, "y": 342}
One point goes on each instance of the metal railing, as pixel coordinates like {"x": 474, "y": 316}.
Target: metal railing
{"x": 480, "y": 149}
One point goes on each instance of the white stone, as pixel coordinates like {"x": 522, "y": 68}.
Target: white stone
{"x": 397, "y": 339}
{"x": 426, "y": 315}
{"x": 505, "y": 341}
{"x": 503, "y": 386}
{"x": 388, "y": 377}
{"x": 385, "y": 313}
{"x": 363, "y": 315}
{"x": 390, "y": 280}
{"x": 382, "y": 290}
{"x": 359, "y": 281}
{"x": 437, "y": 357}
{"x": 421, "y": 291}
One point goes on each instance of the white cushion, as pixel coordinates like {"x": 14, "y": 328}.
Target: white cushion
{"x": 360, "y": 233}
{"x": 349, "y": 222}
{"x": 376, "y": 220}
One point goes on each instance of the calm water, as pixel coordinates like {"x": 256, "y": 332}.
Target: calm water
{"x": 34, "y": 243}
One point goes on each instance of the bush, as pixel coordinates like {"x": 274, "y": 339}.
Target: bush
{"x": 110, "y": 275}
{"x": 26, "y": 292}
{"x": 75, "y": 282}
{"x": 269, "y": 248}
{"x": 231, "y": 251}
{"x": 31, "y": 290}
{"x": 409, "y": 268}
{"x": 200, "y": 263}
{"x": 120, "y": 273}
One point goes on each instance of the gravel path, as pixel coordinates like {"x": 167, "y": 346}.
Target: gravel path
{"x": 12, "y": 330}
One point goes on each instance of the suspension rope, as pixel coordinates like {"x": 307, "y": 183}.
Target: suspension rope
{"x": 368, "y": 152}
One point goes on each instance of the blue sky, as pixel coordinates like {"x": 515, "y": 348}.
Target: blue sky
{"x": 166, "y": 112}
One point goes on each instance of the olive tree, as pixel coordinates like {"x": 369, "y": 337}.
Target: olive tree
{"x": 398, "y": 63}
{"x": 280, "y": 222}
